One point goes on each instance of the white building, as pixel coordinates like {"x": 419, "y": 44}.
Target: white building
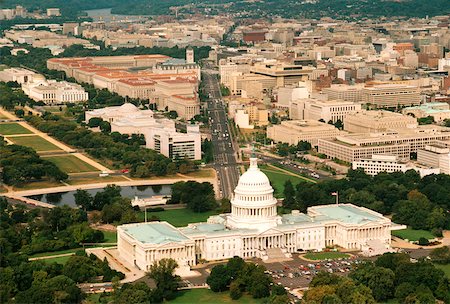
{"x": 54, "y": 92}
{"x": 52, "y": 12}
{"x": 173, "y": 144}
{"x": 389, "y": 163}
{"x": 253, "y": 229}
{"x": 160, "y": 133}
{"x": 19, "y": 75}
{"x": 435, "y": 156}
{"x": 316, "y": 109}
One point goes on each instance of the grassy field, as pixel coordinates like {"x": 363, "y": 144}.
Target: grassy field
{"x": 42, "y": 254}
{"x": 412, "y": 235}
{"x": 445, "y": 268}
{"x": 179, "y": 217}
{"x": 12, "y": 129}
{"x": 75, "y": 180}
{"x": 278, "y": 178}
{"x": 60, "y": 260}
{"x": 71, "y": 164}
{"x": 207, "y": 296}
{"x": 202, "y": 173}
{"x": 326, "y": 255}
{"x": 110, "y": 236}
{"x": 36, "y": 142}
{"x": 38, "y": 185}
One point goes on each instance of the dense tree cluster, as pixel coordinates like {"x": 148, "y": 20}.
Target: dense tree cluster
{"x": 175, "y": 52}
{"x": 32, "y": 231}
{"x": 391, "y": 276}
{"x": 163, "y": 274}
{"x": 24, "y": 231}
{"x": 421, "y": 203}
{"x": 114, "y": 208}
{"x": 22, "y": 164}
{"x": 10, "y": 96}
{"x": 199, "y": 197}
{"x": 284, "y": 149}
{"x": 238, "y": 277}
{"x": 142, "y": 162}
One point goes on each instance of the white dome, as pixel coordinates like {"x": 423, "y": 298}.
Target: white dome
{"x": 253, "y": 205}
{"x": 253, "y": 179}
{"x": 129, "y": 107}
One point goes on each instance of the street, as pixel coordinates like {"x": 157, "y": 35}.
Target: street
{"x": 223, "y": 146}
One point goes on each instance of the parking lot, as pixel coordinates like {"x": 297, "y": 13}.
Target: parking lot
{"x": 294, "y": 273}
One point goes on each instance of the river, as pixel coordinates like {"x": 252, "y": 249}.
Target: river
{"x": 104, "y": 14}
{"x": 67, "y": 198}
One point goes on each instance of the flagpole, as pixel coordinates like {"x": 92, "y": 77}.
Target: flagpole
{"x": 337, "y": 197}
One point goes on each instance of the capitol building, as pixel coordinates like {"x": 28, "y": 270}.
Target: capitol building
{"x": 254, "y": 229}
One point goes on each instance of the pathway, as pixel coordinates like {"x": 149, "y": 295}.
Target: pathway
{"x": 51, "y": 256}
{"x": 57, "y": 143}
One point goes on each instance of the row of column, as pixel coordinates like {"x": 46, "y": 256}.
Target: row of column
{"x": 175, "y": 253}
{"x": 258, "y": 212}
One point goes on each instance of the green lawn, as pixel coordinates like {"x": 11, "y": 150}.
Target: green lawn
{"x": 445, "y": 268}
{"x": 179, "y": 217}
{"x": 13, "y": 129}
{"x": 110, "y": 236}
{"x": 413, "y": 235}
{"x": 326, "y": 255}
{"x": 278, "y": 178}
{"x": 35, "y": 142}
{"x": 60, "y": 260}
{"x": 71, "y": 164}
{"x": 42, "y": 254}
{"x": 206, "y": 296}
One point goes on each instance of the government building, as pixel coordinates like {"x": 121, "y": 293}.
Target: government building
{"x": 254, "y": 229}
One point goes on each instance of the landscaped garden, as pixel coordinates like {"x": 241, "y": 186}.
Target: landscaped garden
{"x": 413, "y": 235}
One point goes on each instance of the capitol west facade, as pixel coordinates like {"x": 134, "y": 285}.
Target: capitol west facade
{"x": 253, "y": 229}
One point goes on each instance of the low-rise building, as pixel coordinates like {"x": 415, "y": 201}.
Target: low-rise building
{"x": 435, "y": 155}
{"x": 293, "y": 131}
{"x": 390, "y": 96}
{"x": 438, "y": 110}
{"x": 389, "y": 163}
{"x": 353, "y": 147}
{"x": 54, "y": 92}
{"x": 328, "y": 110}
{"x": 160, "y": 133}
{"x": 377, "y": 121}
{"x": 18, "y": 75}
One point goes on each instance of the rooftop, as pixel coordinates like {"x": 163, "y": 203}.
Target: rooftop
{"x": 154, "y": 233}
{"x": 347, "y": 213}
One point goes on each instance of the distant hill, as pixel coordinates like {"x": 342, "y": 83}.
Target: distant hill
{"x": 340, "y": 9}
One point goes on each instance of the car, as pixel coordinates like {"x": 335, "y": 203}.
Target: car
{"x": 125, "y": 170}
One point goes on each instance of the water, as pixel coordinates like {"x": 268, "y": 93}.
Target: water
{"x": 104, "y": 14}
{"x": 67, "y": 198}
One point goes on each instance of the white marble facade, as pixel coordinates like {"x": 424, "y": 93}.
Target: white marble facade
{"x": 253, "y": 229}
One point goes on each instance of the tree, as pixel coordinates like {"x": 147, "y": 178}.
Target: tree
{"x": 380, "y": 280}
{"x": 95, "y": 122}
{"x": 219, "y": 278}
{"x": 83, "y": 199}
{"x": 80, "y": 269}
{"x": 163, "y": 272}
{"x": 289, "y": 195}
{"x": 235, "y": 291}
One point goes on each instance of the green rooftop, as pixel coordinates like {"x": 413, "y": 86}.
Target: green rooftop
{"x": 154, "y": 233}
{"x": 347, "y": 214}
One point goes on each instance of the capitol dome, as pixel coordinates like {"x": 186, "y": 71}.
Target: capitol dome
{"x": 253, "y": 205}
{"x": 253, "y": 180}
